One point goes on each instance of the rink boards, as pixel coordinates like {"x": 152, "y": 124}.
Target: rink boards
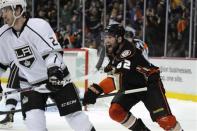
{"x": 178, "y": 75}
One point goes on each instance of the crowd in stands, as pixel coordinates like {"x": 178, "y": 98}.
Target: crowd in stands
{"x": 69, "y": 32}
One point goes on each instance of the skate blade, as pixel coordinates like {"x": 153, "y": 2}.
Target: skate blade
{"x": 6, "y": 126}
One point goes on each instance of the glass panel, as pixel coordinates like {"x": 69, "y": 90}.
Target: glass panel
{"x": 93, "y": 23}
{"x": 178, "y": 28}
{"x": 70, "y": 31}
{"x": 29, "y": 8}
{"x": 135, "y": 17}
{"x": 47, "y": 9}
{"x": 67, "y": 22}
{"x": 155, "y": 27}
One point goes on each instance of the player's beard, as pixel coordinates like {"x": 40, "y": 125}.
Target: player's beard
{"x": 111, "y": 48}
{"x": 115, "y": 48}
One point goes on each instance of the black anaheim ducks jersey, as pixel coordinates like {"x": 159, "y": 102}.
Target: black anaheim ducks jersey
{"x": 125, "y": 63}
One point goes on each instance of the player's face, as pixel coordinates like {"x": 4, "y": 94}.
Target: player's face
{"x": 110, "y": 43}
{"x": 7, "y": 15}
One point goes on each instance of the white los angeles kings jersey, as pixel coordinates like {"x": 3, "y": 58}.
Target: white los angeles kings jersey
{"x": 28, "y": 47}
{"x": 5, "y": 58}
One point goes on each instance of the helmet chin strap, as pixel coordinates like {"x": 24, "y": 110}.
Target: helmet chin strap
{"x": 15, "y": 17}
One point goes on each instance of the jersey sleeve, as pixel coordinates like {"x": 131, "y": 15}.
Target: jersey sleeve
{"x": 46, "y": 41}
{"x": 4, "y": 60}
{"x": 54, "y": 59}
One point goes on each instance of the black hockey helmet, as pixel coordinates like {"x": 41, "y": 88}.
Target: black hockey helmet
{"x": 115, "y": 30}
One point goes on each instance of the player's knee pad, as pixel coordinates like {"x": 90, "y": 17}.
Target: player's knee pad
{"x": 35, "y": 120}
{"x": 79, "y": 121}
{"x": 167, "y": 122}
{"x": 117, "y": 112}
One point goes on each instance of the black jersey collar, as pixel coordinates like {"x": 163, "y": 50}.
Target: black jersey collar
{"x": 19, "y": 33}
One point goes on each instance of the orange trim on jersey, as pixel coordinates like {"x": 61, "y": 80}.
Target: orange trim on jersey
{"x": 107, "y": 85}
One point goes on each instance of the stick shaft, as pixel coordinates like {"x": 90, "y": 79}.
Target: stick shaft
{"x": 101, "y": 96}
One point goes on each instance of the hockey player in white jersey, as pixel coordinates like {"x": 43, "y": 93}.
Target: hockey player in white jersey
{"x": 10, "y": 100}
{"x": 6, "y": 63}
{"x": 33, "y": 46}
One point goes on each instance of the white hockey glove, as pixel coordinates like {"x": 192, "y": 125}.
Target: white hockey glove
{"x": 55, "y": 79}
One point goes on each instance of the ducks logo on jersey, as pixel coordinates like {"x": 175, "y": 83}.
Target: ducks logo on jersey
{"x": 125, "y": 53}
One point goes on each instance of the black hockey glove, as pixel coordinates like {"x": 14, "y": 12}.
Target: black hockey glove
{"x": 91, "y": 94}
{"x": 55, "y": 79}
{"x": 108, "y": 68}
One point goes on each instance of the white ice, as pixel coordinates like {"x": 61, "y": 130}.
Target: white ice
{"x": 185, "y": 111}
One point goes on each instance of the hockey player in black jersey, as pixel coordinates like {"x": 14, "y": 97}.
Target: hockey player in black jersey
{"x": 32, "y": 45}
{"x": 131, "y": 70}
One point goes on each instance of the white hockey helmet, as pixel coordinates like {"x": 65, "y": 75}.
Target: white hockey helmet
{"x": 13, "y": 3}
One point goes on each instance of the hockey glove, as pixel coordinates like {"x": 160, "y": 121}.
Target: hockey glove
{"x": 91, "y": 94}
{"x": 55, "y": 79}
{"x": 108, "y": 68}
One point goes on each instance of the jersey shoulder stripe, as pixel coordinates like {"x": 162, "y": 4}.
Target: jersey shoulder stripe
{"x": 3, "y": 29}
{"x": 39, "y": 36}
{"x": 13, "y": 81}
{"x": 38, "y": 26}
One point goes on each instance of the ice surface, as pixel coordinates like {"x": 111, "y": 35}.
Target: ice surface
{"x": 185, "y": 111}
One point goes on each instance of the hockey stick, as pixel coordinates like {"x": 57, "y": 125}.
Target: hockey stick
{"x": 98, "y": 65}
{"x": 101, "y": 96}
{"x": 101, "y": 58}
{"x": 20, "y": 90}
